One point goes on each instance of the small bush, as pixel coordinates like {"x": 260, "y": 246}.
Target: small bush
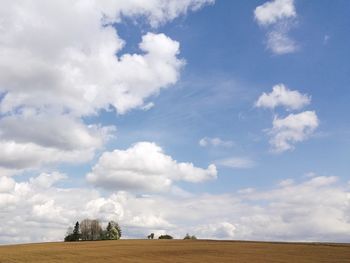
{"x": 69, "y": 238}
{"x": 190, "y": 237}
{"x": 165, "y": 237}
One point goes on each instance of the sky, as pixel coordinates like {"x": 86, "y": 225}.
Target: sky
{"x": 221, "y": 119}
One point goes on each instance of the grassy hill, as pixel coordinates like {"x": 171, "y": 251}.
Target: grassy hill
{"x": 174, "y": 251}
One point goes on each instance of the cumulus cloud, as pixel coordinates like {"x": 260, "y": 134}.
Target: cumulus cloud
{"x": 30, "y": 139}
{"x": 292, "y": 129}
{"x": 57, "y": 131}
{"x": 278, "y": 17}
{"x": 90, "y": 78}
{"x": 31, "y": 208}
{"x": 144, "y": 166}
{"x": 17, "y": 157}
{"x": 287, "y": 131}
{"x": 207, "y": 141}
{"x": 50, "y": 59}
{"x": 235, "y": 162}
{"x": 61, "y": 62}
{"x": 272, "y": 11}
{"x": 282, "y": 96}
{"x": 315, "y": 209}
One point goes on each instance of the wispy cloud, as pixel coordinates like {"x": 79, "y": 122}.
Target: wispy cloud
{"x": 216, "y": 142}
{"x": 236, "y": 162}
{"x": 278, "y": 17}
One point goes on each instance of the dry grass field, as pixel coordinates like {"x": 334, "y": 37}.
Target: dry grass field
{"x": 174, "y": 251}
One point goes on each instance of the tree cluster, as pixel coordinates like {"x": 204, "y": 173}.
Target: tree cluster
{"x": 91, "y": 229}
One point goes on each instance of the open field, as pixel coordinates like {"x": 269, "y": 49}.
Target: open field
{"x": 174, "y": 251}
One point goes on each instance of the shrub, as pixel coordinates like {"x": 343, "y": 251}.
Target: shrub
{"x": 190, "y": 237}
{"x": 69, "y": 238}
{"x": 165, "y": 237}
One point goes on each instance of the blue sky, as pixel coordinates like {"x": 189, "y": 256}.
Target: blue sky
{"x": 227, "y": 68}
{"x": 142, "y": 113}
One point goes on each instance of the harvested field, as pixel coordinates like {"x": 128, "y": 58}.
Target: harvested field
{"x": 174, "y": 251}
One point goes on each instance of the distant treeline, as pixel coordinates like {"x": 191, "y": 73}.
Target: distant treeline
{"x": 91, "y": 229}
{"x": 166, "y": 236}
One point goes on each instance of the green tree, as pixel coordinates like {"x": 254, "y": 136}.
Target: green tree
{"x": 69, "y": 235}
{"x": 113, "y": 231}
{"x": 90, "y": 229}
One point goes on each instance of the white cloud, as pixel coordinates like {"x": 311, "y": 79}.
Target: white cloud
{"x": 317, "y": 209}
{"x": 46, "y": 180}
{"x": 282, "y": 96}
{"x": 18, "y": 156}
{"x": 56, "y": 131}
{"x": 278, "y": 17}
{"x": 310, "y": 174}
{"x": 207, "y": 141}
{"x": 105, "y": 208}
{"x": 285, "y": 132}
{"x": 144, "y": 166}
{"x": 47, "y": 211}
{"x": 217, "y": 230}
{"x": 148, "y": 106}
{"x": 286, "y": 182}
{"x": 272, "y": 11}
{"x": 61, "y": 62}
{"x": 246, "y": 191}
{"x": 157, "y": 11}
{"x": 280, "y": 43}
{"x": 90, "y": 78}
{"x": 30, "y": 140}
{"x": 235, "y": 162}
{"x": 6, "y": 184}
{"x": 292, "y": 129}
{"x": 50, "y": 59}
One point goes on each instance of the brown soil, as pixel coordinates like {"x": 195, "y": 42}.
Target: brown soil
{"x": 174, "y": 251}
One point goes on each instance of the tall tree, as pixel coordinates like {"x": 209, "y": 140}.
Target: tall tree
{"x": 85, "y": 229}
{"x": 76, "y": 232}
{"x": 96, "y": 229}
